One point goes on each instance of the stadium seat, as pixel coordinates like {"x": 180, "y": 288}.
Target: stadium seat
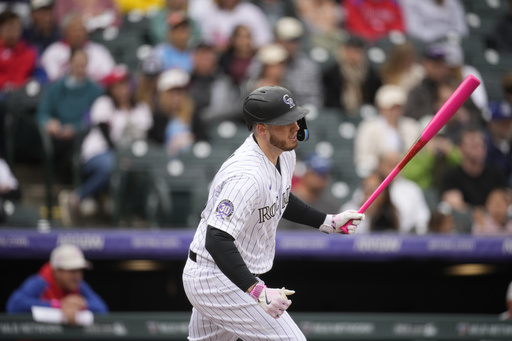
{"x": 137, "y": 184}
{"x": 20, "y": 215}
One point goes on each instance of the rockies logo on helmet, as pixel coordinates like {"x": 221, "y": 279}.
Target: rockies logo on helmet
{"x": 288, "y": 100}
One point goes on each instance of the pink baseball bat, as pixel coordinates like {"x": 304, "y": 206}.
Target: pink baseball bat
{"x": 449, "y": 108}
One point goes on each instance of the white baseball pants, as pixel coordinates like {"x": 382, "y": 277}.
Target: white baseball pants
{"x": 221, "y": 311}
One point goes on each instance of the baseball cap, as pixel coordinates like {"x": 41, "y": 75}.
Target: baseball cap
{"x": 118, "y": 74}
{"x": 289, "y": 28}
{"x": 38, "y": 4}
{"x": 318, "y": 164}
{"x": 272, "y": 104}
{"x": 68, "y": 257}
{"x": 172, "y": 78}
{"x": 151, "y": 66}
{"x": 454, "y": 56}
{"x": 435, "y": 52}
{"x": 498, "y": 111}
{"x": 390, "y": 95}
{"x": 272, "y": 54}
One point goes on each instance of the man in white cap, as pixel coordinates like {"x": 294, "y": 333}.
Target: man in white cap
{"x": 389, "y": 131}
{"x": 59, "y": 284}
{"x": 302, "y": 75}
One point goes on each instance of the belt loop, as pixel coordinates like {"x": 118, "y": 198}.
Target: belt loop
{"x": 192, "y": 255}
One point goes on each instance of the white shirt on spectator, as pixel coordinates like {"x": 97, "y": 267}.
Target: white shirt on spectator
{"x": 375, "y": 137}
{"x": 55, "y": 60}
{"x": 410, "y": 203}
{"x": 217, "y": 27}
{"x": 119, "y": 121}
{"x": 427, "y": 21}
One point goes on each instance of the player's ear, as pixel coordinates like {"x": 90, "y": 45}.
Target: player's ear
{"x": 261, "y": 128}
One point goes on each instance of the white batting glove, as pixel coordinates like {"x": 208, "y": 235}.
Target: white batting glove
{"x": 273, "y": 301}
{"x": 340, "y": 219}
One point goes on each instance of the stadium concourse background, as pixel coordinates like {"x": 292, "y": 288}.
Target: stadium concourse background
{"x": 435, "y": 286}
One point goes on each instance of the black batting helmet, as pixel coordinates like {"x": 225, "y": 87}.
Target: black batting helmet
{"x": 274, "y": 105}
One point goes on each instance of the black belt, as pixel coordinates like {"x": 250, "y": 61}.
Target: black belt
{"x": 193, "y": 257}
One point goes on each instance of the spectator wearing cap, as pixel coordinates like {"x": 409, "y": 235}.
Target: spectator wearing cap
{"x": 498, "y": 137}
{"x": 65, "y": 105}
{"x": 158, "y": 26}
{"x": 58, "y": 284}
{"x": 42, "y": 30}
{"x": 96, "y": 14}
{"x": 217, "y": 26}
{"x": 310, "y": 184}
{"x": 273, "y": 59}
{"x": 373, "y": 19}
{"x": 302, "y": 75}
{"x": 421, "y": 100}
{"x": 56, "y": 56}
{"x": 432, "y": 20}
{"x": 176, "y": 52}
{"x": 389, "y": 131}
{"x": 116, "y": 120}
{"x": 351, "y": 81}
{"x": 176, "y": 122}
{"x": 150, "y": 69}
{"x": 17, "y": 57}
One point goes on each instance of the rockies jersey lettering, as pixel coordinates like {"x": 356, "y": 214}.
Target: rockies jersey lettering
{"x": 268, "y": 212}
{"x": 247, "y": 199}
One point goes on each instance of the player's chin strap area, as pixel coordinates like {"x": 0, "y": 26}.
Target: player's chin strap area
{"x": 303, "y": 133}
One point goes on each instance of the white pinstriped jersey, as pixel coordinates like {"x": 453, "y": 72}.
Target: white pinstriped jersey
{"x": 247, "y": 199}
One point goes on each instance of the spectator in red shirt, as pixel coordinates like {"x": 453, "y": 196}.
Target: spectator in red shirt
{"x": 373, "y": 19}
{"x": 17, "y": 58}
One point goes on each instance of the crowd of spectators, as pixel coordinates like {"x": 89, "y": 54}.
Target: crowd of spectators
{"x": 205, "y": 56}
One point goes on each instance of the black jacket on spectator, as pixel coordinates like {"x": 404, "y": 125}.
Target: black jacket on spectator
{"x": 333, "y": 83}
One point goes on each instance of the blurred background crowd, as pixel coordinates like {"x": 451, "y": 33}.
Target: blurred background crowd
{"x": 119, "y": 112}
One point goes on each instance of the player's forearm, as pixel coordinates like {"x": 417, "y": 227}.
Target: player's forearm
{"x": 222, "y": 248}
{"x": 298, "y": 211}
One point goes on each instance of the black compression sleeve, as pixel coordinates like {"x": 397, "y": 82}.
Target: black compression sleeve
{"x": 298, "y": 211}
{"x": 222, "y": 248}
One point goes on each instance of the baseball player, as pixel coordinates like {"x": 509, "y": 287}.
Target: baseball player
{"x": 235, "y": 240}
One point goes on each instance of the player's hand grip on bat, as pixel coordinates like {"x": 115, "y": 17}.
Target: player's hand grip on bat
{"x": 339, "y": 220}
{"x": 273, "y": 301}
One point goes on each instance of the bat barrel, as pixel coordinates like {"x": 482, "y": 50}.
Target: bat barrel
{"x": 450, "y": 107}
